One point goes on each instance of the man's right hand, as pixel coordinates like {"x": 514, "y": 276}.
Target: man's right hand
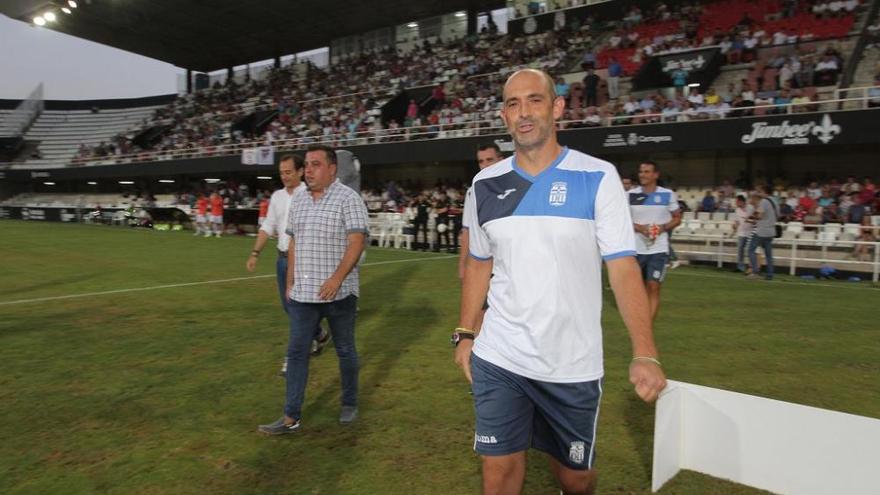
{"x": 251, "y": 263}
{"x": 463, "y": 357}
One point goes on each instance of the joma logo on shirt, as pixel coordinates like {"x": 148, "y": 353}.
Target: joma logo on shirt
{"x": 506, "y": 193}
{"x": 558, "y": 193}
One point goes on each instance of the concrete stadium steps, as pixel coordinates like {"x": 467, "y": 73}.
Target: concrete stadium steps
{"x": 61, "y": 132}
{"x": 867, "y": 68}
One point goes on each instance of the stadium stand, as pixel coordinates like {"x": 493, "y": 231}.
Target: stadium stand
{"x": 348, "y": 101}
{"x": 61, "y": 134}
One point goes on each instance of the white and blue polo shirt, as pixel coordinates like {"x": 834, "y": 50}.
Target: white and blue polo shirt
{"x": 547, "y": 236}
{"x": 654, "y": 208}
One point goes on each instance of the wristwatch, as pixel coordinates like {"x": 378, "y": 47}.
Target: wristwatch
{"x": 459, "y": 336}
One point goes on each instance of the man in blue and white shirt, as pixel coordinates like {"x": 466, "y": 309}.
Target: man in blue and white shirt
{"x": 327, "y": 226}
{"x": 655, "y": 213}
{"x": 543, "y": 221}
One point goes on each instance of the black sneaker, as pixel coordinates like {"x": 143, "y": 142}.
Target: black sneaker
{"x": 320, "y": 342}
{"x": 279, "y": 427}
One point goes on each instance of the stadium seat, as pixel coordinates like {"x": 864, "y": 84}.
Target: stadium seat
{"x": 827, "y": 238}
{"x": 833, "y": 228}
{"x": 795, "y": 227}
{"x": 807, "y": 235}
{"x": 704, "y": 216}
{"x": 688, "y": 215}
{"x": 852, "y": 229}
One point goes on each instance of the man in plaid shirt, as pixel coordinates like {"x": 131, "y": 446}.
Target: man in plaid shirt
{"x": 327, "y": 226}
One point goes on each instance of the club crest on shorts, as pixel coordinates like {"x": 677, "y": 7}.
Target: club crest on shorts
{"x": 558, "y": 193}
{"x": 576, "y": 452}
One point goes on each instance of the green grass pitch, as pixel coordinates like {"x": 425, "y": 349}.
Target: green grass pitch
{"x": 160, "y": 391}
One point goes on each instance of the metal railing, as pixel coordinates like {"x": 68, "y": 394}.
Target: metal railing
{"x": 468, "y": 127}
{"x": 714, "y": 249}
{"x": 861, "y": 93}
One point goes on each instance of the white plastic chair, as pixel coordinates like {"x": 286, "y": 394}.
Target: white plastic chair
{"x": 796, "y": 227}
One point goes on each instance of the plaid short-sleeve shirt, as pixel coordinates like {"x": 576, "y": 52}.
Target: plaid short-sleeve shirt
{"x": 320, "y": 231}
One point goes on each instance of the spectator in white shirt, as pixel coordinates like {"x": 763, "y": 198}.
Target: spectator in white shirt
{"x": 615, "y": 40}
{"x": 785, "y": 75}
{"x": 629, "y": 106}
{"x": 835, "y": 8}
{"x": 826, "y": 71}
{"x": 592, "y": 119}
{"x": 780, "y": 38}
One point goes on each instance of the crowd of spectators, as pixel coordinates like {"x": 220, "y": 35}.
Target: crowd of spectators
{"x": 738, "y": 28}
{"x": 851, "y": 201}
{"x": 341, "y": 104}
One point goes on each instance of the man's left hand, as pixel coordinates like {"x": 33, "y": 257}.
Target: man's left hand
{"x": 648, "y": 379}
{"x": 329, "y": 289}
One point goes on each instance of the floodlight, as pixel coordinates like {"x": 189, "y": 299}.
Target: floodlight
{"x": 263, "y": 177}
{"x": 65, "y": 10}
{"x": 126, "y": 182}
{"x": 166, "y": 181}
{"x": 49, "y": 183}
{"x": 49, "y": 16}
{"x": 71, "y": 3}
{"x": 461, "y": 14}
{"x": 413, "y": 25}
{"x": 92, "y": 183}
{"x": 39, "y": 21}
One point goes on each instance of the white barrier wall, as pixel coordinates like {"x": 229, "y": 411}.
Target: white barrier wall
{"x": 768, "y": 444}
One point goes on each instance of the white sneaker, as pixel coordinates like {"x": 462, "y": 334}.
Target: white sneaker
{"x": 207, "y": 234}
{"x": 283, "y": 371}
{"x": 675, "y": 264}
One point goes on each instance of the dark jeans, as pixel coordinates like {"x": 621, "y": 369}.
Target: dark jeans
{"x": 420, "y": 225}
{"x": 590, "y": 99}
{"x": 444, "y": 239}
{"x": 741, "y": 244}
{"x": 765, "y": 243}
{"x": 304, "y": 317}
{"x": 281, "y": 275}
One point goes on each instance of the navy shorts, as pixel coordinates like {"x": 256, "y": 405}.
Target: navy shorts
{"x": 653, "y": 266}
{"x": 515, "y": 413}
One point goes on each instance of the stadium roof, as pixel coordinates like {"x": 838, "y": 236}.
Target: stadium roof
{"x": 207, "y": 35}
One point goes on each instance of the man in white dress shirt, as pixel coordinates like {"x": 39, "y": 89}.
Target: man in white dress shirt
{"x": 290, "y": 169}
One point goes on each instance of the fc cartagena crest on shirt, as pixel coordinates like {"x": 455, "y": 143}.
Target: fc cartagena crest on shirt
{"x": 558, "y": 193}
{"x": 576, "y": 452}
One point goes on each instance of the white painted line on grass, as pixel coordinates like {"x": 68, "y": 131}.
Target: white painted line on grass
{"x": 205, "y": 282}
